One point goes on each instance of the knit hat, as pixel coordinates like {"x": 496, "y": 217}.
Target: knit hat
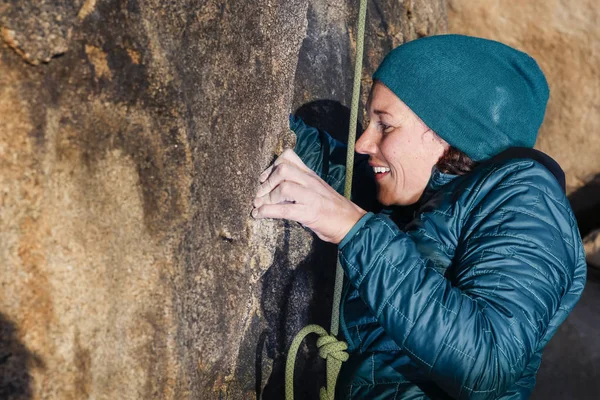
{"x": 479, "y": 95}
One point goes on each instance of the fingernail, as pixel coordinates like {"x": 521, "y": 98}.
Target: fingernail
{"x": 254, "y": 213}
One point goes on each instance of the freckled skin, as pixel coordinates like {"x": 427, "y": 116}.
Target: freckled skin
{"x": 396, "y": 138}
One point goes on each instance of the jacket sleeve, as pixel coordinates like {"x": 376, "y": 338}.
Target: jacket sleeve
{"x": 474, "y": 332}
{"x": 320, "y": 152}
{"x": 327, "y": 157}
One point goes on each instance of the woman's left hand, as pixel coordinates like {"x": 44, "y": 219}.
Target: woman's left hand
{"x": 290, "y": 190}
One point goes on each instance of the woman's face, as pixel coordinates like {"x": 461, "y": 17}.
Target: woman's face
{"x": 402, "y": 149}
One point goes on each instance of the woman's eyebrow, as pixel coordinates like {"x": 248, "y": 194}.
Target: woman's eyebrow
{"x": 378, "y": 112}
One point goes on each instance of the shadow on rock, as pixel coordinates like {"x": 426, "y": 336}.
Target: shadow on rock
{"x": 15, "y": 363}
{"x": 328, "y": 115}
{"x": 294, "y": 296}
{"x": 585, "y": 203}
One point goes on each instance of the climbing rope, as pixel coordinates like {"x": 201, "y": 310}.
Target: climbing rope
{"x": 330, "y": 348}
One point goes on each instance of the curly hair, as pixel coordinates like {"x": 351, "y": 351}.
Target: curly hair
{"x": 455, "y": 162}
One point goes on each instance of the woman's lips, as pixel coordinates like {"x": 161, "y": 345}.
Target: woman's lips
{"x": 381, "y": 175}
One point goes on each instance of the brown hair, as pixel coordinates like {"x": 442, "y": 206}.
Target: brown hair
{"x": 455, "y": 162}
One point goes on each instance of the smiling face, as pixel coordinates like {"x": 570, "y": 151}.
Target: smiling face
{"x": 402, "y": 149}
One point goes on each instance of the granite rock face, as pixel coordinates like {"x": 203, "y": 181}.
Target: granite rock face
{"x": 131, "y": 138}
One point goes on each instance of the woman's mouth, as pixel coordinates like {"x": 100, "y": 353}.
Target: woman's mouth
{"x": 380, "y": 172}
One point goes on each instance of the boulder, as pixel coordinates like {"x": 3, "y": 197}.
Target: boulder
{"x": 131, "y": 138}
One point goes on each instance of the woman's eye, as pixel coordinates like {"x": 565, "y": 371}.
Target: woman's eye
{"x": 385, "y": 128}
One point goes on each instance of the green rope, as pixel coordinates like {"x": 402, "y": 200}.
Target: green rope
{"x": 360, "y": 42}
{"x": 330, "y": 348}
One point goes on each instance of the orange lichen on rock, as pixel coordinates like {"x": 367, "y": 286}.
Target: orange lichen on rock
{"x": 9, "y": 38}
{"x": 86, "y": 9}
{"x": 98, "y": 59}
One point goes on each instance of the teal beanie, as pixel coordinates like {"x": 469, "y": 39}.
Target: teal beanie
{"x": 479, "y": 95}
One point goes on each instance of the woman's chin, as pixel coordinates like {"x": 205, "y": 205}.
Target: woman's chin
{"x": 386, "y": 200}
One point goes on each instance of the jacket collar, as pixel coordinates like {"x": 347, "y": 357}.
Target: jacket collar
{"x": 437, "y": 180}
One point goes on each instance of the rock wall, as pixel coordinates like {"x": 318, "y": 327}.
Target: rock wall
{"x": 131, "y": 137}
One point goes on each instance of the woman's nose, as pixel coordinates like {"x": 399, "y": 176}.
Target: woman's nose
{"x": 367, "y": 143}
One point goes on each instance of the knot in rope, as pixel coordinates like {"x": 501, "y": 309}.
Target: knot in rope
{"x": 330, "y": 346}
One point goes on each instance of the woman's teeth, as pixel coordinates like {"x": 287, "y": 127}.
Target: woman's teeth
{"x": 380, "y": 170}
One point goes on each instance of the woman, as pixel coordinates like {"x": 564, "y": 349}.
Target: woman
{"x": 460, "y": 301}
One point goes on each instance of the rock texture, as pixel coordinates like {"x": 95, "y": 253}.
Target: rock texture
{"x": 131, "y": 136}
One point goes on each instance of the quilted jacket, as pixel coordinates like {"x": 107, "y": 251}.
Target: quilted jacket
{"x": 459, "y": 298}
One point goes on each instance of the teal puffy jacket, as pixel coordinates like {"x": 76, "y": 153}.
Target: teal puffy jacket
{"x": 460, "y": 301}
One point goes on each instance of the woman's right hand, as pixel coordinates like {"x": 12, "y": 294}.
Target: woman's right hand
{"x": 290, "y": 190}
